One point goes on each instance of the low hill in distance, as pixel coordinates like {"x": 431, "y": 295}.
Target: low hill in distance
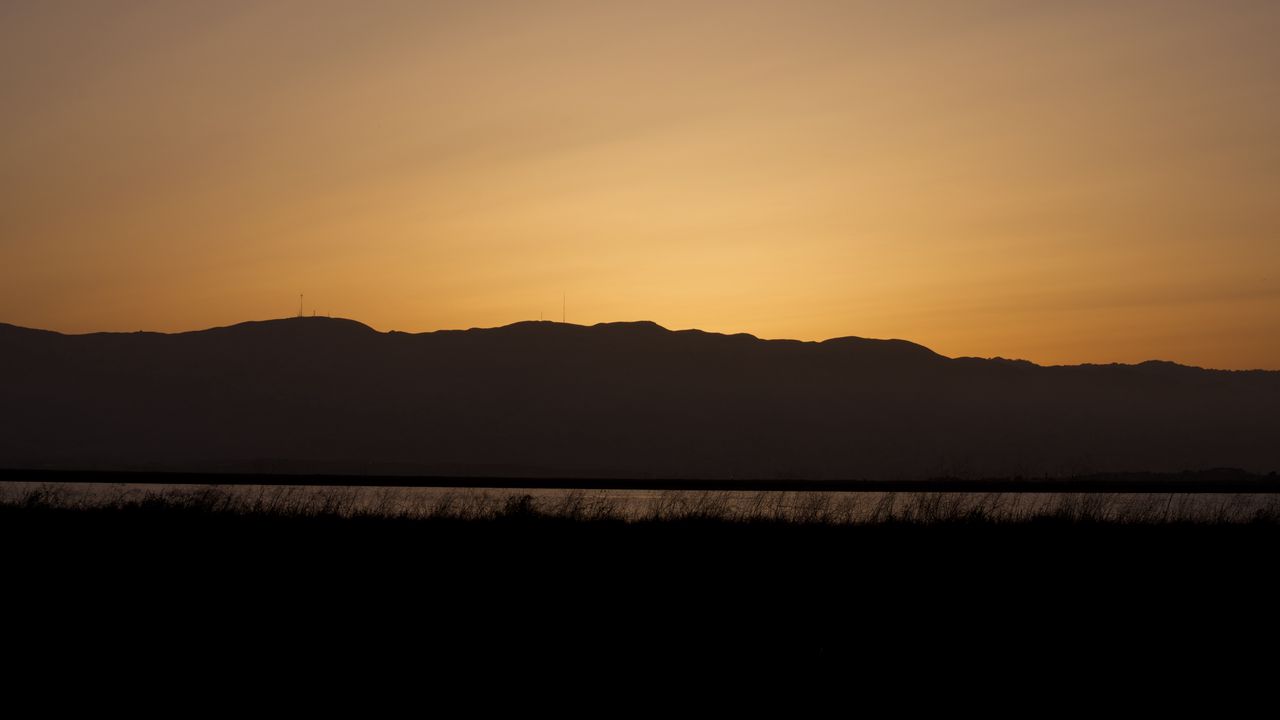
{"x": 627, "y": 400}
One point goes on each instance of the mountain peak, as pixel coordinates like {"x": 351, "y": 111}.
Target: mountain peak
{"x": 308, "y": 325}
{"x": 883, "y": 348}
{"x": 645, "y": 326}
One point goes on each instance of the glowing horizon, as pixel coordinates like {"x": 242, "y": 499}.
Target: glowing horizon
{"x": 1097, "y": 182}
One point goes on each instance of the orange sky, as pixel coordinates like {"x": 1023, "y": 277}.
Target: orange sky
{"x": 1059, "y": 181}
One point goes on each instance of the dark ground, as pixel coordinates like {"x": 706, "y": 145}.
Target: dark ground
{"x": 525, "y": 589}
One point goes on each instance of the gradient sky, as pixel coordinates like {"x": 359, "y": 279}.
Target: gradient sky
{"x": 1059, "y": 181}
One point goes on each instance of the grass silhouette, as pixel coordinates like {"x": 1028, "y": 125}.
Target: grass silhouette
{"x": 802, "y": 509}
{"x": 470, "y": 576}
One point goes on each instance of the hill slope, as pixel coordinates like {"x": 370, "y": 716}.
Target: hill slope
{"x": 615, "y": 399}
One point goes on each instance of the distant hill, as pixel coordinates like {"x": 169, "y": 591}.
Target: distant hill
{"x": 614, "y": 399}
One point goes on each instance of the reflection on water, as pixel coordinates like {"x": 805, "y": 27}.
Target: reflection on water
{"x": 638, "y": 505}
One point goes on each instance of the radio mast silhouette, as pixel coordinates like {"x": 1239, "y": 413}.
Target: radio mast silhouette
{"x": 562, "y": 304}
{"x": 299, "y": 304}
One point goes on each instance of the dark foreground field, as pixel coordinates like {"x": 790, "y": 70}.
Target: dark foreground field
{"x": 515, "y": 582}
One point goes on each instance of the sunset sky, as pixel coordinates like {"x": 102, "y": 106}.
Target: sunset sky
{"x": 1084, "y": 181}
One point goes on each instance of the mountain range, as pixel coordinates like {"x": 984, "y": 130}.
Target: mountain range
{"x": 627, "y": 400}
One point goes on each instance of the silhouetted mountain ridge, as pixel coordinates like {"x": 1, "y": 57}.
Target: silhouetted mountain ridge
{"x": 628, "y": 399}
{"x": 328, "y": 328}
